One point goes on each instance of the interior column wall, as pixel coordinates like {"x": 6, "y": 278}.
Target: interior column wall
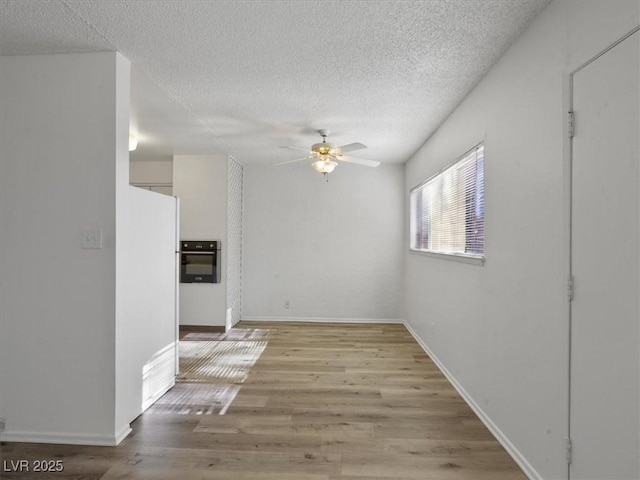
{"x": 58, "y": 125}
{"x": 201, "y": 182}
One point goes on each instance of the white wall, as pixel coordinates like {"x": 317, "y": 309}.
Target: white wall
{"x": 501, "y": 330}
{"x": 146, "y": 279}
{"x": 201, "y": 184}
{"x": 151, "y": 171}
{"x": 61, "y": 129}
{"x": 333, "y": 250}
{"x": 152, "y": 175}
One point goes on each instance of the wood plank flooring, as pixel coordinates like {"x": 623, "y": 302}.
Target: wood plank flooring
{"x": 296, "y": 401}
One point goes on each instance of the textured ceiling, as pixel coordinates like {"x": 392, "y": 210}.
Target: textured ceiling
{"x": 244, "y": 77}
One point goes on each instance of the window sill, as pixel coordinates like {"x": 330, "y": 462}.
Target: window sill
{"x": 450, "y": 256}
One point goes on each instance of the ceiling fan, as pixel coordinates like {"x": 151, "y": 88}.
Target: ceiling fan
{"x": 326, "y": 155}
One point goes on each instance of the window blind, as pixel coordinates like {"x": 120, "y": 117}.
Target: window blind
{"x": 447, "y": 211}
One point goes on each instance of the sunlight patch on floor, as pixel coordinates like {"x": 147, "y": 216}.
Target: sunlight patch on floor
{"x": 197, "y": 399}
{"x": 218, "y": 360}
{"x": 213, "y": 367}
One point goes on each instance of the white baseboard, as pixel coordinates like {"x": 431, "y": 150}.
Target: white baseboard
{"x": 322, "y": 319}
{"x": 122, "y": 434}
{"x": 158, "y": 376}
{"x": 67, "y": 439}
{"x": 484, "y": 418}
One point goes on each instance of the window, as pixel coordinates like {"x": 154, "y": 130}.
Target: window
{"x": 447, "y": 211}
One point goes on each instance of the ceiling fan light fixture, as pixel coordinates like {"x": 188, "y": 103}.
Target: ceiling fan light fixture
{"x": 325, "y": 165}
{"x": 323, "y": 148}
{"x": 325, "y": 155}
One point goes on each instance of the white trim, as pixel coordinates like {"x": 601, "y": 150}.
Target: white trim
{"x": 126, "y": 430}
{"x": 522, "y": 462}
{"x": 164, "y": 376}
{"x": 580, "y": 63}
{"x": 176, "y": 289}
{"x": 454, "y": 257}
{"x": 67, "y": 439}
{"x": 152, "y": 184}
{"x": 321, "y": 320}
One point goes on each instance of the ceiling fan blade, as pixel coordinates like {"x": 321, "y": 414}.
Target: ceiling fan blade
{"x": 294, "y": 160}
{"x": 350, "y": 147}
{"x": 359, "y": 161}
{"x": 294, "y": 148}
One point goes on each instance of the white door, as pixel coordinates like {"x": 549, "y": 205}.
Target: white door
{"x": 605, "y": 263}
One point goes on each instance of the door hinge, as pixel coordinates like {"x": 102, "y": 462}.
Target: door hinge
{"x": 570, "y": 287}
{"x": 568, "y": 450}
{"x": 570, "y": 124}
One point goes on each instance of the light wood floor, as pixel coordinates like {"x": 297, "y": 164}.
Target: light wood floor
{"x": 322, "y": 402}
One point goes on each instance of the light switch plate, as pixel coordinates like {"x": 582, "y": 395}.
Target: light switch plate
{"x": 91, "y": 238}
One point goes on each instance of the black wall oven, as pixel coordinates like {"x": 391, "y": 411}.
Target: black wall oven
{"x": 200, "y": 261}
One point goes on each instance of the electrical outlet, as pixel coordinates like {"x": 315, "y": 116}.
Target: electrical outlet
{"x": 287, "y": 304}
{"x": 91, "y": 238}
{"x": 2, "y": 424}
